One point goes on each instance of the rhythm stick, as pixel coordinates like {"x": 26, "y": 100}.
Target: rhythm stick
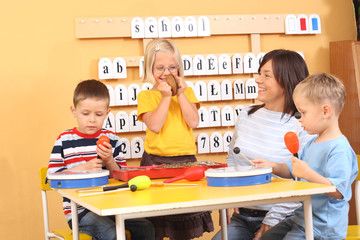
{"x": 236, "y": 150}
{"x": 297, "y": 116}
{"x": 161, "y": 184}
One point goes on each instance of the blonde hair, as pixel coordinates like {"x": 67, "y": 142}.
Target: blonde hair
{"x": 321, "y": 88}
{"x": 160, "y": 45}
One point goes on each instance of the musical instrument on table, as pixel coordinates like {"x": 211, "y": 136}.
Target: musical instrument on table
{"x": 237, "y": 176}
{"x": 195, "y": 173}
{"x": 162, "y": 171}
{"x": 78, "y": 178}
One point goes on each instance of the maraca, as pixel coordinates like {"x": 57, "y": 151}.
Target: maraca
{"x": 192, "y": 174}
{"x": 136, "y": 183}
{"x": 292, "y": 143}
{"x": 101, "y": 140}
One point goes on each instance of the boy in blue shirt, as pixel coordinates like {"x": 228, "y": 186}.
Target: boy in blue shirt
{"x": 326, "y": 159}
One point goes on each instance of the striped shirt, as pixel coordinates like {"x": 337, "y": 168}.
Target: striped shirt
{"x": 73, "y": 148}
{"x": 261, "y": 135}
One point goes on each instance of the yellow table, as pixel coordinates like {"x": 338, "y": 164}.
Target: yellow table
{"x": 168, "y": 200}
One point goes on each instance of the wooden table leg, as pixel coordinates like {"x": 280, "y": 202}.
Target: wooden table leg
{"x": 223, "y": 220}
{"x": 309, "y": 234}
{"x": 75, "y": 221}
{"x": 120, "y": 227}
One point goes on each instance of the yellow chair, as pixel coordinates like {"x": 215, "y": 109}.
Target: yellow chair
{"x": 65, "y": 234}
{"x": 354, "y": 230}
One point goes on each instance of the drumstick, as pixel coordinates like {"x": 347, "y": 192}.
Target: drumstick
{"x": 161, "y": 184}
{"x": 237, "y": 151}
{"x": 297, "y": 116}
{"x": 97, "y": 193}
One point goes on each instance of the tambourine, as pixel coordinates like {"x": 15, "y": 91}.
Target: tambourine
{"x": 237, "y": 176}
{"x": 78, "y": 178}
{"x": 171, "y": 80}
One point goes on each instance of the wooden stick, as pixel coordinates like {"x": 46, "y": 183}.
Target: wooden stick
{"x": 97, "y": 193}
{"x": 246, "y": 159}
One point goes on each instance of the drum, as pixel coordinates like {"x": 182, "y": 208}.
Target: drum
{"x": 78, "y": 178}
{"x": 237, "y": 176}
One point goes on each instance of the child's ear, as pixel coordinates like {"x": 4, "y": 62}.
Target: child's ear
{"x": 72, "y": 109}
{"x": 109, "y": 110}
{"x": 327, "y": 110}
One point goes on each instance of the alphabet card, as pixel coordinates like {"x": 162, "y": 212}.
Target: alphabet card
{"x": 203, "y": 117}
{"x": 109, "y": 122}
{"x": 121, "y": 95}
{"x": 203, "y": 143}
{"x": 239, "y": 89}
{"x": 137, "y": 147}
{"x": 122, "y": 122}
{"x": 187, "y": 65}
{"x": 111, "y": 94}
{"x": 250, "y": 63}
{"x": 200, "y": 90}
{"x": 214, "y": 91}
{"x": 227, "y": 116}
{"x": 224, "y": 64}
{"x": 105, "y": 68}
{"x": 125, "y": 148}
{"x": 226, "y": 90}
{"x": 251, "y": 88}
{"x": 226, "y": 140}
{"x": 216, "y": 142}
{"x": 214, "y": 116}
{"x": 134, "y": 124}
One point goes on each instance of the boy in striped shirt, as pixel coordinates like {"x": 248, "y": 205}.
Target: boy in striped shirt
{"x": 76, "y": 149}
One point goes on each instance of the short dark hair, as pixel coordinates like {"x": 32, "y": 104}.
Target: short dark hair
{"x": 289, "y": 69}
{"x": 91, "y": 89}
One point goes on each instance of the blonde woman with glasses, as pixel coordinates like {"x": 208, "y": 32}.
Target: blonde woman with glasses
{"x": 170, "y": 114}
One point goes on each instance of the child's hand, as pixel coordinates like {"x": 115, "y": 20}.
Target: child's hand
{"x": 164, "y": 89}
{"x": 262, "y": 163}
{"x": 104, "y": 151}
{"x": 300, "y": 168}
{"x": 93, "y": 164}
{"x": 181, "y": 84}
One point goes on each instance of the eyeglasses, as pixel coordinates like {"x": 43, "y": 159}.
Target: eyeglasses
{"x": 161, "y": 69}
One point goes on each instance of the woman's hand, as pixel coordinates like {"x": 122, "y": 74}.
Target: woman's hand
{"x": 261, "y": 231}
{"x": 262, "y": 163}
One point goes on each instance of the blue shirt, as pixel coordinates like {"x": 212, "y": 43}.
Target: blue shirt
{"x": 336, "y": 161}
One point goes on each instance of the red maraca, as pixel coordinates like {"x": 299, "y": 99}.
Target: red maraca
{"x": 292, "y": 143}
{"x": 101, "y": 140}
{"x": 192, "y": 174}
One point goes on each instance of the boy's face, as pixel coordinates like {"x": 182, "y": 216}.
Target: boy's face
{"x": 312, "y": 115}
{"x": 90, "y": 114}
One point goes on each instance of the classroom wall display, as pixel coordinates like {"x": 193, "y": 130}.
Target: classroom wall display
{"x": 222, "y": 82}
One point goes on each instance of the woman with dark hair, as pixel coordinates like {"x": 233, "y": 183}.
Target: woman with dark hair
{"x": 259, "y": 133}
